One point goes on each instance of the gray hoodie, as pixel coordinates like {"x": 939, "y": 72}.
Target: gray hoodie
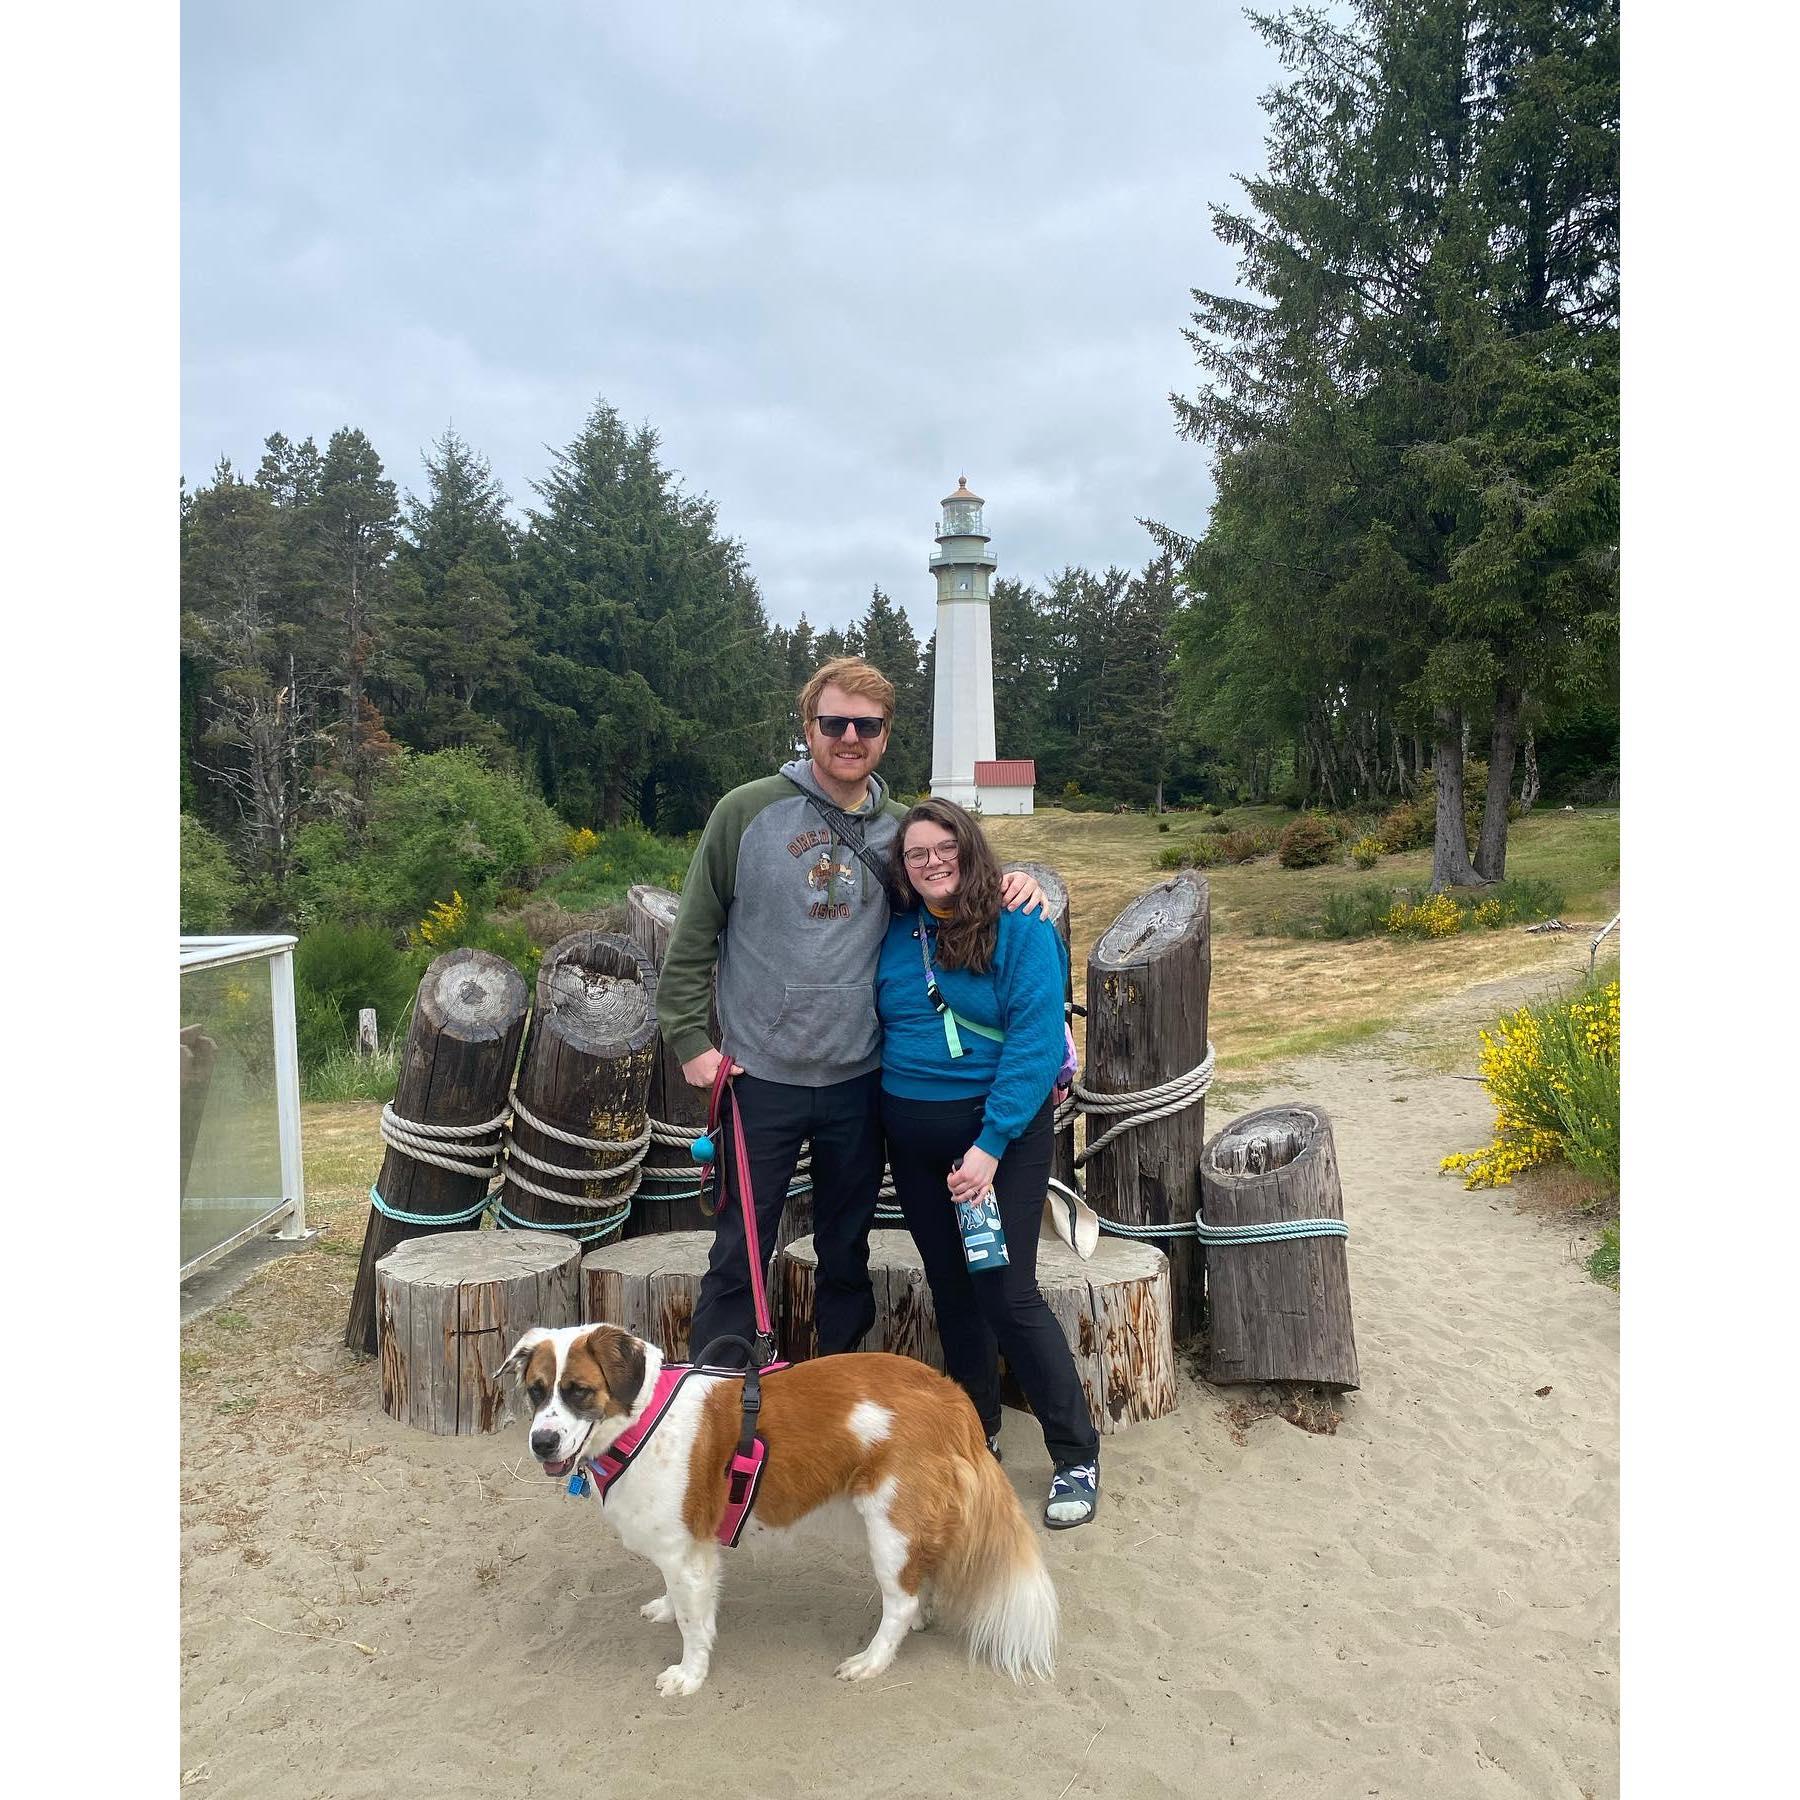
{"x": 793, "y": 920}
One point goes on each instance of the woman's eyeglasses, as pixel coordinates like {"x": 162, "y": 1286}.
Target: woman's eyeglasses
{"x": 917, "y": 859}
{"x": 834, "y": 725}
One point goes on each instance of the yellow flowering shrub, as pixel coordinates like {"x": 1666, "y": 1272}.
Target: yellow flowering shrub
{"x": 1366, "y": 851}
{"x": 442, "y": 925}
{"x": 1553, "y": 1073}
{"x": 581, "y": 842}
{"x": 1436, "y": 916}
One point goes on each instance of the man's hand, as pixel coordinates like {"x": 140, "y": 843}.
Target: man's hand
{"x": 703, "y": 1070}
{"x": 974, "y": 1177}
{"x": 1019, "y": 889}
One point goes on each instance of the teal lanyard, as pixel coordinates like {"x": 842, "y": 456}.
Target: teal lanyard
{"x": 942, "y": 1006}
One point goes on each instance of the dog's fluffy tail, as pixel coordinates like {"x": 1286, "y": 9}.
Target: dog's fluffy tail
{"x": 992, "y": 1577}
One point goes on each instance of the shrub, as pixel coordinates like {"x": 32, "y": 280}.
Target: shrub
{"x": 343, "y": 1074}
{"x": 1308, "y": 842}
{"x": 1527, "y": 897}
{"x": 1245, "y": 845}
{"x": 1365, "y": 852}
{"x": 1175, "y": 856}
{"x": 213, "y": 895}
{"x": 1355, "y": 912}
{"x": 1162, "y": 824}
{"x": 621, "y": 858}
{"x": 1405, "y": 827}
{"x": 581, "y": 842}
{"x": 1436, "y": 916}
{"x": 454, "y": 924}
{"x": 449, "y": 821}
{"x": 1553, "y": 1073}
{"x": 338, "y": 970}
{"x": 1217, "y": 826}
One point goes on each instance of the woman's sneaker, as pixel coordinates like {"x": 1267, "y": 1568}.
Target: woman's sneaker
{"x": 1074, "y": 1495}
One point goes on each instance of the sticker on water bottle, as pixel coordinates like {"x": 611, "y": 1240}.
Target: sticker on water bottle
{"x": 983, "y": 1241}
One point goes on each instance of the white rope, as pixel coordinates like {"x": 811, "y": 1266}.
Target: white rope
{"x": 1137, "y": 1106}
{"x": 428, "y": 1143}
{"x": 586, "y": 1141}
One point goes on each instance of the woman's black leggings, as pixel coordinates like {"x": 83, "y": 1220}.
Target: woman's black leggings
{"x": 999, "y": 1311}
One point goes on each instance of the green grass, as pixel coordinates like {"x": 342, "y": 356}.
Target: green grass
{"x": 344, "y": 1075}
{"x": 1603, "y": 1263}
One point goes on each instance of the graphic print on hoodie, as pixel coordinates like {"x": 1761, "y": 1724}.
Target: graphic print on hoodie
{"x": 794, "y": 920}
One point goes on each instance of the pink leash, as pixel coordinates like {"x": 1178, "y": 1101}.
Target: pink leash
{"x": 715, "y": 1112}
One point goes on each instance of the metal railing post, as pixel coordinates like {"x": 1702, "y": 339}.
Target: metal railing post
{"x": 287, "y": 1090}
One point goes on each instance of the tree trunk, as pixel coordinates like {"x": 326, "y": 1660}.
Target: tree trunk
{"x": 1529, "y": 788}
{"x": 458, "y": 1062}
{"x": 1490, "y": 853}
{"x": 1450, "y": 865}
{"x": 586, "y": 1070}
{"x": 1148, "y": 981}
{"x": 1056, "y": 890}
{"x": 1278, "y": 1311}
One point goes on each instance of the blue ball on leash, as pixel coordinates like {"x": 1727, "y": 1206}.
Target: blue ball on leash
{"x": 701, "y": 1149}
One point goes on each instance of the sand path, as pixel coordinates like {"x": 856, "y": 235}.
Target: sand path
{"x": 1423, "y": 1604}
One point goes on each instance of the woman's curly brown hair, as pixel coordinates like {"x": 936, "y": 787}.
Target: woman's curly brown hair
{"x": 966, "y": 938}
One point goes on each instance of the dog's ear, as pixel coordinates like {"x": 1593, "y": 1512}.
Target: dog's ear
{"x": 516, "y": 1357}
{"x": 621, "y": 1360}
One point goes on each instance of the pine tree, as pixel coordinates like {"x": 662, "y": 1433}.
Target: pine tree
{"x": 452, "y": 668}
{"x": 888, "y": 641}
{"x": 1416, "y": 420}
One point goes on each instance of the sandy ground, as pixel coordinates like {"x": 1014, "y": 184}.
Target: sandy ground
{"x": 1422, "y": 1603}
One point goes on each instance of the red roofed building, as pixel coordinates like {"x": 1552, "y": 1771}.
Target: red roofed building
{"x": 1004, "y": 786}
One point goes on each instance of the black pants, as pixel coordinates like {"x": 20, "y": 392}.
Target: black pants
{"x": 999, "y": 1311}
{"x": 843, "y": 1121}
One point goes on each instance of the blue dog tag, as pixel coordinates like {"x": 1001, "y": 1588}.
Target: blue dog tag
{"x": 701, "y": 1150}
{"x": 578, "y": 1484}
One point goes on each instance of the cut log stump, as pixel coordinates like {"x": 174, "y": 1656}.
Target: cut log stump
{"x": 1278, "y": 1311}
{"x": 648, "y": 1286}
{"x": 450, "y": 1306}
{"x": 1113, "y": 1309}
{"x": 1148, "y": 981}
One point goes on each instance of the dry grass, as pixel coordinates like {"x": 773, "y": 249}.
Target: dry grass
{"x": 1276, "y": 997}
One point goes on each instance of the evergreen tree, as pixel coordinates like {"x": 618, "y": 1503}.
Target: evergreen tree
{"x": 887, "y": 640}
{"x": 652, "y": 683}
{"x": 452, "y": 671}
{"x": 1416, "y": 422}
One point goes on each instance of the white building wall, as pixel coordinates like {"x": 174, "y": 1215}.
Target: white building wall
{"x": 1001, "y": 802}
{"x": 962, "y": 711}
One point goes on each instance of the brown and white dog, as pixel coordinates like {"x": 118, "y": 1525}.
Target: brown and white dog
{"x": 898, "y": 1441}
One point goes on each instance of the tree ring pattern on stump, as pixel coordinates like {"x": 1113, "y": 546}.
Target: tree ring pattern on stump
{"x": 1153, "y": 920}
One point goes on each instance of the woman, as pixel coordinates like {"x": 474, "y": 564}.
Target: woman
{"x": 971, "y": 1005}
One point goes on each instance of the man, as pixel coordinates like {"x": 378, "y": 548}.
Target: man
{"x": 786, "y": 897}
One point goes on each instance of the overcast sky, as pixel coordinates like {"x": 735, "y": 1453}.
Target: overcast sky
{"x": 835, "y": 255}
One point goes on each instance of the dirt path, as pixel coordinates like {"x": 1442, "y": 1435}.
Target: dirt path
{"x": 1422, "y": 1604}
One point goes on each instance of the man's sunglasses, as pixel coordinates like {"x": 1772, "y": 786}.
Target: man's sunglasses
{"x": 834, "y": 725}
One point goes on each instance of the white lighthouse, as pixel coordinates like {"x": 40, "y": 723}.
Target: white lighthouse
{"x": 963, "y": 767}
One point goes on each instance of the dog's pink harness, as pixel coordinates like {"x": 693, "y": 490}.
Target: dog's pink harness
{"x": 743, "y": 1475}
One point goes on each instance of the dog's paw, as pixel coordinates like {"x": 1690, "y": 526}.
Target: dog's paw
{"x": 925, "y": 1616}
{"x": 864, "y": 1665}
{"x": 660, "y": 1611}
{"x": 675, "y": 1681}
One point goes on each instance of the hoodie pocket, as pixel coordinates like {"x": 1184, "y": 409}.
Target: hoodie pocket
{"x": 825, "y": 1024}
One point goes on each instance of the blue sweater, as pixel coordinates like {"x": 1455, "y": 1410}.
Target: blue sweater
{"x": 1021, "y": 995}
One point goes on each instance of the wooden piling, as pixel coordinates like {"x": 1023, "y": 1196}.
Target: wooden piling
{"x": 456, "y": 1069}
{"x": 1148, "y": 980}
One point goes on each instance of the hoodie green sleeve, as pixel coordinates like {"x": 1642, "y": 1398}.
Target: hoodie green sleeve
{"x": 684, "y": 988}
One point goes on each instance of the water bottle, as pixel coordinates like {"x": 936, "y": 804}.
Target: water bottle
{"x": 983, "y": 1241}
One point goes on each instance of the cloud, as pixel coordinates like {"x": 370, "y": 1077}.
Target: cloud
{"x": 834, "y": 258}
